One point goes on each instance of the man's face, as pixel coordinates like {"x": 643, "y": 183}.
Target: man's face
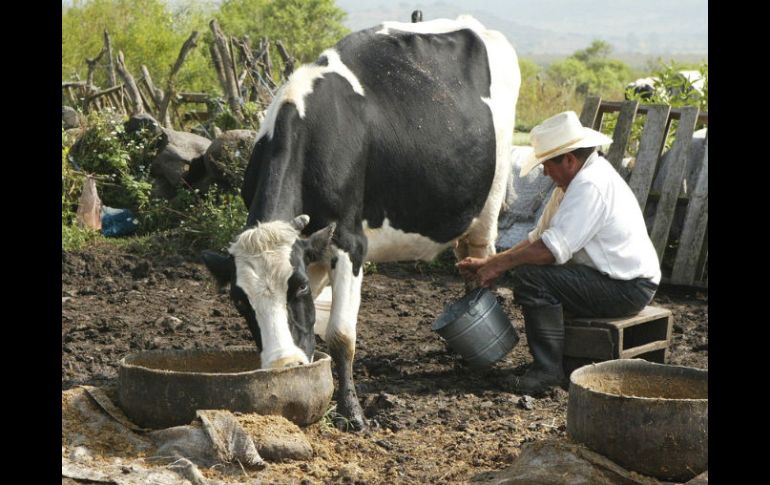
{"x": 562, "y": 169}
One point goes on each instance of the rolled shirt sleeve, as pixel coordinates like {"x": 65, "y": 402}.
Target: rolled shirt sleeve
{"x": 581, "y": 214}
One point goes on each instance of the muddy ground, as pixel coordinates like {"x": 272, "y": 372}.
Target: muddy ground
{"x": 433, "y": 420}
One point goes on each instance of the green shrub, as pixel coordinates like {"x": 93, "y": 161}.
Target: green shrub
{"x": 120, "y": 162}
{"x": 198, "y": 221}
{"x": 667, "y": 81}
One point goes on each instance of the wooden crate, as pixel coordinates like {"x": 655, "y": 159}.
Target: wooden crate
{"x": 687, "y": 260}
{"x": 646, "y": 336}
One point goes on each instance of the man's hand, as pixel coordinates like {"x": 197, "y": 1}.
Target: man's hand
{"x": 484, "y": 270}
{"x": 469, "y": 266}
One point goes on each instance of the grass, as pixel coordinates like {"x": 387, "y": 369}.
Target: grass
{"x": 520, "y": 138}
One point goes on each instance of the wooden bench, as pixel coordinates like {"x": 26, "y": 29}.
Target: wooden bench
{"x": 646, "y": 336}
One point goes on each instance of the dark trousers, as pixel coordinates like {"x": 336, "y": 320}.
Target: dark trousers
{"x": 582, "y": 291}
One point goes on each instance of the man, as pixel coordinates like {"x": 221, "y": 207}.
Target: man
{"x": 589, "y": 255}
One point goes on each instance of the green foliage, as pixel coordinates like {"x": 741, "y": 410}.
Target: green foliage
{"x": 148, "y": 32}
{"x": 540, "y": 97}
{"x": 591, "y": 72}
{"x": 671, "y": 88}
{"x": 119, "y": 161}
{"x": 306, "y": 27}
{"x": 71, "y": 183}
{"x": 564, "y": 85}
{"x": 74, "y": 238}
{"x": 199, "y": 221}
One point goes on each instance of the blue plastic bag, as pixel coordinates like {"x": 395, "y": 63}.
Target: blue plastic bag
{"x": 118, "y": 222}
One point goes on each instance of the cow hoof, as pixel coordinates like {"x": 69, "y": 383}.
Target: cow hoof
{"x": 355, "y": 424}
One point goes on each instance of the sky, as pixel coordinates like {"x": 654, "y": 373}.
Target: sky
{"x": 562, "y": 26}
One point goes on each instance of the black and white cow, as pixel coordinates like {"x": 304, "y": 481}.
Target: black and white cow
{"x": 393, "y": 145}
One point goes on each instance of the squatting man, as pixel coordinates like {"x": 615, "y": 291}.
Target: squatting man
{"x": 588, "y": 256}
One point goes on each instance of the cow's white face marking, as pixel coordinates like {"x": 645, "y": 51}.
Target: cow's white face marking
{"x": 263, "y": 267}
{"x": 300, "y": 85}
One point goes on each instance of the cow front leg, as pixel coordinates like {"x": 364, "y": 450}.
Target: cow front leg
{"x": 341, "y": 337}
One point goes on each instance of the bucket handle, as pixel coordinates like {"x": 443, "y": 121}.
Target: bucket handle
{"x": 472, "y": 304}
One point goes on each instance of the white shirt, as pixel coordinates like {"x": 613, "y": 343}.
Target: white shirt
{"x": 597, "y": 222}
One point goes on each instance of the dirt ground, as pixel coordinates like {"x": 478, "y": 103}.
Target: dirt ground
{"x": 433, "y": 420}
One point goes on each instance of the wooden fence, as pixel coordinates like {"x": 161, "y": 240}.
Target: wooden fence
{"x": 683, "y": 261}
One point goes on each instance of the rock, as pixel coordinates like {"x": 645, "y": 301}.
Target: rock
{"x": 276, "y": 438}
{"x": 227, "y": 157}
{"x": 349, "y": 472}
{"x": 702, "y": 479}
{"x": 169, "y": 323}
{"x": 555, "y": 462}
{"x": 142, "y": 121}
{"x": 70, "y": 118}
{"x": 81, "y": 454}
{"x": 177, "y": 150}
{"x": 526, "y": 402}
{"x": 141, "y": 270}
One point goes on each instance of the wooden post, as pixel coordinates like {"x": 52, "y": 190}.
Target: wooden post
{"x": 264, "y": 48}
{"x": 133, "y": 90}
{"x": 622, "y": 133}
{"x": 110, "y": 64}
{"x": 590, "y": 110}
{"x": 288, "y": 61}
{"x": 234, "y": 64}
{"x": 650, "y": 146}
{"x": 216, "y": 59}
{"x": 695, "y": 222}
{"x": 186, "y": 47}
{"x": 155, "y": 93}
{"x": 673, "y": 183}
{"x": 227, "y": 66}
{"x": 91, "y": 68}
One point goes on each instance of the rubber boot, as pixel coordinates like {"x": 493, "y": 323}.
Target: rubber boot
{"x": 545, "y": 334}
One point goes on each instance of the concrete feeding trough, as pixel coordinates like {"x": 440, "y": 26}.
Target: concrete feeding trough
{"x": 163, "y": 388}
{"x": 649, "y": 418}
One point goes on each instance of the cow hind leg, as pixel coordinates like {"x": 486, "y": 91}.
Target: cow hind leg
{"x": 341, "y": 338}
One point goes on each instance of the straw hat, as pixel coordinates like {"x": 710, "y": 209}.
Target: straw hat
{"x": 560, "y": 134}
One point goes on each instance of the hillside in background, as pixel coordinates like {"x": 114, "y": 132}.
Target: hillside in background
{"x": 548, "y": 29}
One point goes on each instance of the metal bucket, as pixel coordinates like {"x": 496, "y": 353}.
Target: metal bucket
{"x": 477, "y": 328}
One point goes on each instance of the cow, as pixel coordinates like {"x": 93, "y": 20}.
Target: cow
{"x": 393, "y": 145}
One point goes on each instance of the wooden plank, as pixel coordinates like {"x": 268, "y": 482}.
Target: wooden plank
{"x": 648, "y": 313}
{"x": 590, "y": 110}
{"x": 700, "y": 274}
{"x": 676, "y": 113}
{"x": 591, "y": 343}
{"x": 622, "y": 133}
{"x": 643, "y": 349}
{"x": 667, "y": 204}
{"x": 650, "y": 146}
{"x": 694, "y": 230}
{"x": 193, "y": 97}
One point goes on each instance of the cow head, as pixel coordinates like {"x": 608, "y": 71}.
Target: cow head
{"x": 267, "y": 272}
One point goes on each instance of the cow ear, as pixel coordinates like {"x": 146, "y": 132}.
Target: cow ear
{"x": 222, "y": 267}
{"x": 318, "y": 243}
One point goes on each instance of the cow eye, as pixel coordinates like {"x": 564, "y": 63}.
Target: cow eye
{"x": 303, "y": 289}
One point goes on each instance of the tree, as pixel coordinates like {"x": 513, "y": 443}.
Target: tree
{"x": 591, "y": 72}
{"x": 306, "y": 27}
{"x": 147, "y": 32}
